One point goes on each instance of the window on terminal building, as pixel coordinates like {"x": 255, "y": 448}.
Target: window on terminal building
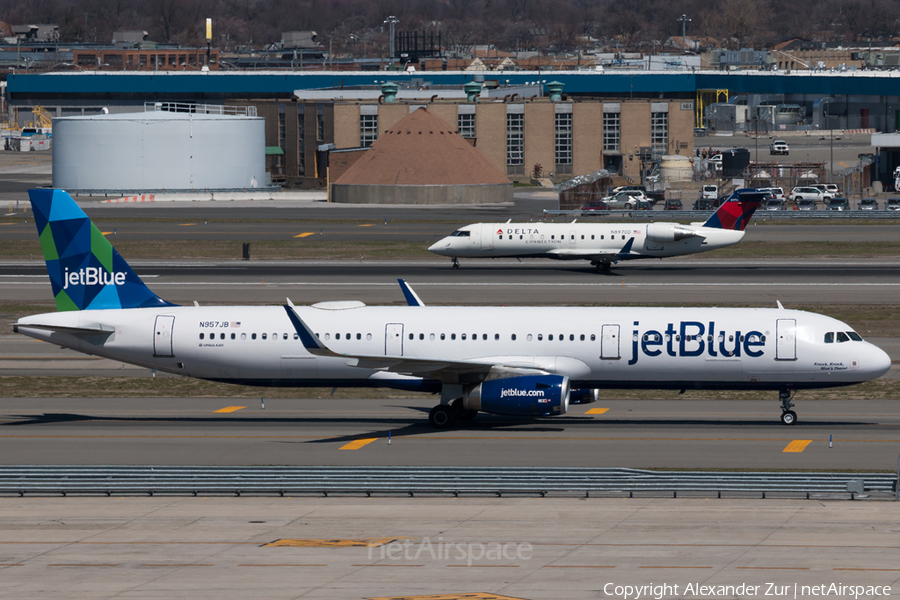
{"x": 515, "y": 143}
{"x": 564, "y": 142}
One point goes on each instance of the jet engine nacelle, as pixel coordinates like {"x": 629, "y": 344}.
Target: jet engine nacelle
{"x": 584, "y": 396}
{"x": 668, "y": 232}
{"x": 521, "y": 396}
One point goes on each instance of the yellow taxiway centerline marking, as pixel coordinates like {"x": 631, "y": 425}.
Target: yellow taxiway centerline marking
{"x": 229, "y": 409}
{"x": 797, "y": 446}
{"x": 596, "y": 411}
{"x": 307, "y": 234}
{"x": 368, "y": 225}
{"x": 357, "y": 444}
{"x": 186, "y": 224}
{"x": 334, "y": 543}
{"x": 106, "y": 232}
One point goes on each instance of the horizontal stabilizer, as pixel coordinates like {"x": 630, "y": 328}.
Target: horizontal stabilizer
{"x": 90, "y": 329}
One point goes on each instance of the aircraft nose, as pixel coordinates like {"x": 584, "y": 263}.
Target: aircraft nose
{"x": 440, "y": 245}
{"x": 878, "y": 362}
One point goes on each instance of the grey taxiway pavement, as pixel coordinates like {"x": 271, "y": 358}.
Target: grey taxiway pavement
{"x": 674, "y": 281}
{"x": 464, "y": 548}
{"x": 678, "y": 434}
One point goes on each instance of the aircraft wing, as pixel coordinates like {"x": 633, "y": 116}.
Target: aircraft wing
{"x": 444, "y": 370}
{"x": 587, "y": 253}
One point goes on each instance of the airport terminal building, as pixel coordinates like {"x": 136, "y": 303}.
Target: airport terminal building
{"x": 595, "y": 120}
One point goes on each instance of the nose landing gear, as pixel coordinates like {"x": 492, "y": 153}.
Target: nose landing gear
{"x": 788, "y": 417}
{"x": 455, "y": 263}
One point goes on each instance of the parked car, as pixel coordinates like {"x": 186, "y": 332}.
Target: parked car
{"x": 673, "y": 204}
{"x": 838, "y": 204}
{"x": 892, "y": 204}
{"x": 704, "y": 203}
{"x": 779, "y": 147}
{"x": 624, "y": 188}
{"x": 806, "y": 204}
{"x": 774, "y": 204}
{"x": 628, "y": 200}
{"x": 656, "y": 196}
{"x": 833, "y": 189}
{"x": 594, "y": 206}
{"x": 710, "y": 191}
{"x": 774, "y": 192}
{"x": 807, "y": 193}
{"x": 868, "y": 204}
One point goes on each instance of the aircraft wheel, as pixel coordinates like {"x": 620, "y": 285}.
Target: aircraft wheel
{"x": 461, "y": 412}
{"x": 789, "y": 417}
{"x": 441, "y": 417}
{"x": 455, "y": 264}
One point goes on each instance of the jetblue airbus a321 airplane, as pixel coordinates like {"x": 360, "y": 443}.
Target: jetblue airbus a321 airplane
{"x": 603, "y": 243}
{"x": 518, "y": 361}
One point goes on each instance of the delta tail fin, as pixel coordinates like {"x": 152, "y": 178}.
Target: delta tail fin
{"x": 735, "y": 212}
{"x": 86, "y": 272}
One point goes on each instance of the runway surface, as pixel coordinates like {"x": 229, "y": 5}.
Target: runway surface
{"x": 682, "y": 434}
{"x": 673, "y": 281}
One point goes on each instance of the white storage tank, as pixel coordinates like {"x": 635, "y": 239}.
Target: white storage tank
{"x": 675, "y": 167}
{"x": 159, "y": 150}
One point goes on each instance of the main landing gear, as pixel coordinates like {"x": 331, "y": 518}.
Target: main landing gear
{"x": 444, "y": 416}
{"x": 602, "y": 266}
{"x": 455, "y": 263}
{"x": 788, "y": 417}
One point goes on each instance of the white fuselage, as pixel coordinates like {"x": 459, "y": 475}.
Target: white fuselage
{"x": 729, "y": 348}
{"x": 574, "y": 241}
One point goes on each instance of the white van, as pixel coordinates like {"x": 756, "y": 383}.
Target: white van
{"x": 710, "y": 192}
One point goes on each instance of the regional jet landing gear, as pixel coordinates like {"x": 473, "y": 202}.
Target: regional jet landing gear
{"x": 602, "y": 266}
{"x": 455, "y": 263}
{"x": 788, "y": 417}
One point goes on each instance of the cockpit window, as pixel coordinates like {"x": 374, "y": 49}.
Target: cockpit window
{"x": 829, "y": 337}
{"x": 842, "y": 337}
{"x": 461, "y": 233}
{"x": 854, "y": 336}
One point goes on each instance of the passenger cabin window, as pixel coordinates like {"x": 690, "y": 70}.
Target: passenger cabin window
{"x": 264, "y": 336}
{"x": 201, "y": 336}
{"x": 253, "y": 336}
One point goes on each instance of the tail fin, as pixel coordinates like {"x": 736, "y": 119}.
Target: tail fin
{"x": 735, "y": 212}
{"x": 86, "y": 272}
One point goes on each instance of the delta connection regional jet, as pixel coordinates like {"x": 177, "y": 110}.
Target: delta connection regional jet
{"x": 602, "y": 243}
{"x": 518, "y": 361}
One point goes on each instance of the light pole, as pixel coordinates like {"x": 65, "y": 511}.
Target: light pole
{"x": 683, "y": 19}
{"x": 391, "y": 21}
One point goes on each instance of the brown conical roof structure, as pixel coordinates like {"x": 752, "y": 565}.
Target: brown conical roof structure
{"x": 422, "y": 149}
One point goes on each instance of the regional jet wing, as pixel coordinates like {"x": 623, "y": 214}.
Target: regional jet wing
{"x": 587, "y": 253}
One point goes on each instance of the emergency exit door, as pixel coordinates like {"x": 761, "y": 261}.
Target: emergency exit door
{"x": 609, "y": 342}
{"x": 162, "y": 336}
{"x": 393, "y": 339}
{"x": 786, "y": 339}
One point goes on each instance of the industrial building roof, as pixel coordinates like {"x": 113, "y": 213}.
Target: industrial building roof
{"x": 422, "y": 149}
{"x": 256, "y": 84}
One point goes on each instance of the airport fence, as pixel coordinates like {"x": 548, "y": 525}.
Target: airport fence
{"x": 702, "y": 215}
{"x": 453, "y": 481}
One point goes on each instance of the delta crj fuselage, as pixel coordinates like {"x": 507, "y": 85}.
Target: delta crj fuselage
{"x": 603, "y": 243}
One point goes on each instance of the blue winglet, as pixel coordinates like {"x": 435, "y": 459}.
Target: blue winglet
{"x": 626, "y": 249}
{"x": 307, "y": 337}
{"x": 412, "y": 299}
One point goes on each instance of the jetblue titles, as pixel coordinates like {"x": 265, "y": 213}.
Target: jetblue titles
{"x": 693, "y": 338}
{"x": 92, "y": 276}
